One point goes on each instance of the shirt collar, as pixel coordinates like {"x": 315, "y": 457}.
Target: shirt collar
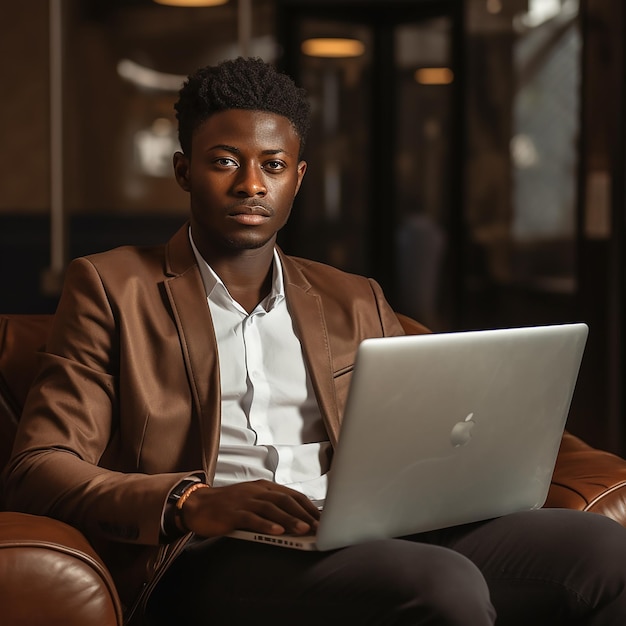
{"x": 212, "y": 282}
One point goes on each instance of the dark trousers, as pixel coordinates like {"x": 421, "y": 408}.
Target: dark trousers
{"x": 548, "y": 567}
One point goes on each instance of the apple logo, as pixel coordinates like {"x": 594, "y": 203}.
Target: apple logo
{"x": 462, "y": 431}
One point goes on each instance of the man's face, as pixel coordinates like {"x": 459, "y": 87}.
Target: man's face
{"x": 242, "y": 178}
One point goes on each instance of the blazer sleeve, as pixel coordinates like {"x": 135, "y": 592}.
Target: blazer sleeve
{"x": 58, "y": 465}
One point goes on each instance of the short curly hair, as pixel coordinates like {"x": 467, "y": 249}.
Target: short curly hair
{"x": 241, "y": 83}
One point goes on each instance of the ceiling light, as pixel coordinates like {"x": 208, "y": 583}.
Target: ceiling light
{"x": 333, "y": 47}
{"x": 494, "y": 6}
{"x": 192, "y": 3}
{"x": 434, "y": 76}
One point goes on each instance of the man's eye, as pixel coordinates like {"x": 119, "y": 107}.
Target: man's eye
{"x": 226, "y": 162}
{"x": 274, "y": 165}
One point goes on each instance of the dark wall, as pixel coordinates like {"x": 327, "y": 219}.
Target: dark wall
{"x": 25, "y": 250}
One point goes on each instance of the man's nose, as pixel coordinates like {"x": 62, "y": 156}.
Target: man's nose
{"x": 250, "y": 181}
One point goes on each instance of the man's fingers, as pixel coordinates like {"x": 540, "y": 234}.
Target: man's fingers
{"x": 293, "y": 502}
{"x": 282, "y": 511}
{"x": 259, "y": 524}
{"x": 259, "y": 506}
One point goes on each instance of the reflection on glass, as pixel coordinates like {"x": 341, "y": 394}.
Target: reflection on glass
{"x": 522, "y": 120}
{"x": 331, "y": 219}
{"x": 545, "y": 128}
{"x": 422, "y": 168}
{"x": 154, "y": 147}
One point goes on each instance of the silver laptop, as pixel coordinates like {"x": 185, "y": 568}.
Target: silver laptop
{"x": 446, "y": 429}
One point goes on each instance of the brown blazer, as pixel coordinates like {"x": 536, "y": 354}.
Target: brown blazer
{"x": 127, "y": 400}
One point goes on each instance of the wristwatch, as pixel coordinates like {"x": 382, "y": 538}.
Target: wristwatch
{"x": 171, "y": 529}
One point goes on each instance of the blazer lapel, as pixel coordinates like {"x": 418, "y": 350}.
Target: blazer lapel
{"x": 306, "y": 311}
{"x": 186, "y": 294}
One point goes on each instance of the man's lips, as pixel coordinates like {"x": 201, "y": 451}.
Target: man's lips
{"x": 250, "y": 215}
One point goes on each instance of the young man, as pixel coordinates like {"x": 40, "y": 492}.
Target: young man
{"x": 196, "y": 388}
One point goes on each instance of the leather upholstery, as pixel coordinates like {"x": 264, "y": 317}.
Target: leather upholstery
{"x": 589, "y": 479}
{"x": 50, "y": 575}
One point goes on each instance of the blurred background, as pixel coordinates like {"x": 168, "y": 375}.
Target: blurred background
{"x": 468, "y": 154}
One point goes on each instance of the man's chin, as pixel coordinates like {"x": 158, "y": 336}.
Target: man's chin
{"x": 248, "y": 243}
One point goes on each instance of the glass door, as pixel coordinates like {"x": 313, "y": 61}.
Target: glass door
{"x": 377, "y": 195}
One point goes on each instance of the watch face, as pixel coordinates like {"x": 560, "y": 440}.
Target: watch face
{"x": 178, "y": 491}
{"x": 172, "y": 524}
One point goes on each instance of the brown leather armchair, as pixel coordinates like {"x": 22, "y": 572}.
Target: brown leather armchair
{"x": 50, "y": 575}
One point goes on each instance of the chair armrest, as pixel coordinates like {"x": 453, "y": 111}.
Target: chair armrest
{"x": 588, "y": 479}
{"x": 50, "y": 575}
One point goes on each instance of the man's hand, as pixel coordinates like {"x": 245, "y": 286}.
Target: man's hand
{"x": 260, "y": 506}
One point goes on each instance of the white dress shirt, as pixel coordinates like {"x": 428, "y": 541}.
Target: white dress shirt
{"x": 271, "y": 426}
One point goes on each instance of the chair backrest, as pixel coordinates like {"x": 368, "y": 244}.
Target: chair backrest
{"x": 21, "y": 337}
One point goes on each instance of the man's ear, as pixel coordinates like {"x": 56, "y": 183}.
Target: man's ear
{"x": 181, "y": 170}
{"x": 301, "y": 171}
